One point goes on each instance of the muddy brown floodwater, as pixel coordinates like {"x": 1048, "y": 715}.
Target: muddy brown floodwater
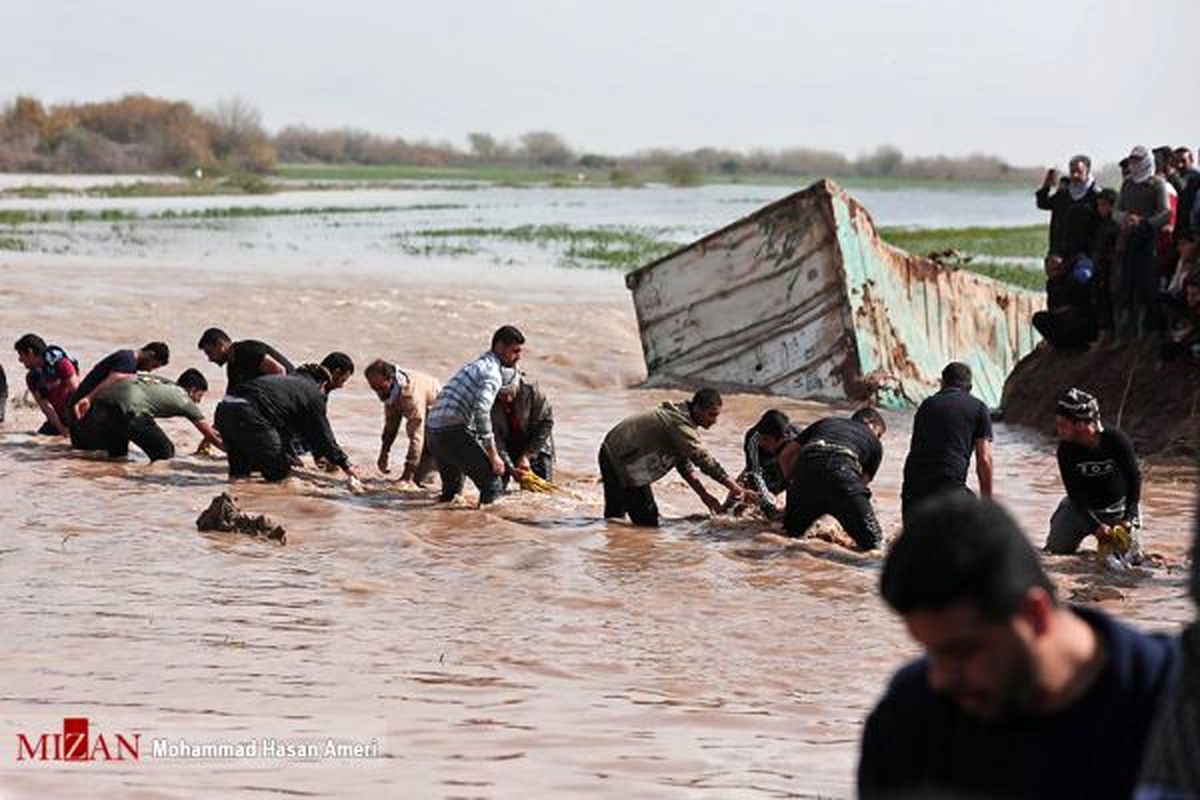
{"x": 528, "y": 650}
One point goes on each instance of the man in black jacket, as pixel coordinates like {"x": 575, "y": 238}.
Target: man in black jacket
{"x": 1071, "y": 202}
{"x": 830, "y": 465}
{"x": 257, "y": 423}
{"x": 523, "y": 425}
{"x": 1099, "y": 472}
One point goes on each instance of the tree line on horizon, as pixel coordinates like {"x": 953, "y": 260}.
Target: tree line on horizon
{"x": 138, "y": 133}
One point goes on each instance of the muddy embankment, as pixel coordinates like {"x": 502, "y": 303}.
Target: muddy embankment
{"x": 1155, "y": 402}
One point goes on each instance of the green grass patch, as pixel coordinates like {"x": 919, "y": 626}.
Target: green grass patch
{"x": 12, "y": 243}
{"x": 619, "y": 248}
{"x": 1028, "y": 241}
{"x": 1012, "y": 274}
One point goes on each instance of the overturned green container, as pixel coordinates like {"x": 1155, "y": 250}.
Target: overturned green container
{"x": 803, "y": 299}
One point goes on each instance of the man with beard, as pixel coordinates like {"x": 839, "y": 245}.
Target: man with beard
{"x": 1017, "y": 695}
{"x": 459, "y": 426}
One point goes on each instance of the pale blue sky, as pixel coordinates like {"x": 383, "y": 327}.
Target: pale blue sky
{"x": 1030, "y": 81}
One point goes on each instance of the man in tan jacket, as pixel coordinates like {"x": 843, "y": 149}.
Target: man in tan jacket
{"x": 645, "y": 447}
{"x": 406, "y": 396}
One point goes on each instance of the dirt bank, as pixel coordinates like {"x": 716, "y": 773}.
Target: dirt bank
{"x": 1154, "y": 402}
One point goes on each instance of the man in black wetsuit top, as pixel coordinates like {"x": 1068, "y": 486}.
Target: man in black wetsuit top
{"x": 831, "y": 464}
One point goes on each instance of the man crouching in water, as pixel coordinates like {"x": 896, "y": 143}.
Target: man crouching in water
{"x": 645, "y": 447}
{"x": 266, "y": 412}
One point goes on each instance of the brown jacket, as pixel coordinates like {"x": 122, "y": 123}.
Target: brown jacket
{"x": 412, "y": 404}
{"x": 647, "y": 446}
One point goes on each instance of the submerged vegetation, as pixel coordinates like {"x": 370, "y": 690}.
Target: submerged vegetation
{"x": 622, "y": 248}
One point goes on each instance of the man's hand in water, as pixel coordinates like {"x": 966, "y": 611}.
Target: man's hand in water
{"x": 409, "y": 475}
{"x": 714, "y": 505}
{"x": 521, "y": 467}
{"x": 1103, "y": 533}
{"x": 382, "y": 463}
{"x": 498, "y": 465}
{"x": 81, "y": 408}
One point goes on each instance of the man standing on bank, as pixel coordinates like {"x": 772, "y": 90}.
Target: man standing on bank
{"x": 948, "y": 427}
{"x": 459, "y": 428}
{"x": 1017, "y": 695}
{"x": 1100, "y": 473}
{"x": 645, "y": 447}
{"x": 830, "y": 466}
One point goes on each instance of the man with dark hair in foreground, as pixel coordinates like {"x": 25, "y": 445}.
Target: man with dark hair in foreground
{"x": 645, "y": 447}
{"x": 830, "y": 466}
{"x": 1017, "y": 695}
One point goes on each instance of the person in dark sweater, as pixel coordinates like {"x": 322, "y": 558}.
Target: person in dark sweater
{"x": 830, "y": 465}
{"x": 1017, "y": 695}
{"x": 1071, "y": 202}
{"x": 257, "y": 423}
{"x": 763, "y": 474}
{"x": 243, "y": 360}
{"x": 1171, "y": 768}
{"x": 121, "y": 365}
{"x": 523, "y": 426}
{"x": 1099, "y": 472}
{"x": 948, "y": 427}
{"x": 3, "y": 393}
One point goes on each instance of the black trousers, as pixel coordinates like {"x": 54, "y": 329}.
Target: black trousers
{"x": 459, "y": 453}
{"x": 831, "y": 484}
{"x": 619, "y": 500}
{"x": 107, "y": 428}
{"x": 912, "y": 495}
{"x": 251, "y": 443}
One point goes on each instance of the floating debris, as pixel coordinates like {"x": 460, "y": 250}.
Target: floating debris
{"x": 224, "y": 515}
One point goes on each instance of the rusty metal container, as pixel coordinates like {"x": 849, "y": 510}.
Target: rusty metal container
{"x": 803, "y": 299}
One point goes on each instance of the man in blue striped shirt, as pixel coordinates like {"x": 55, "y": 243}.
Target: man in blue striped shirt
{"x": 459, "y": 428}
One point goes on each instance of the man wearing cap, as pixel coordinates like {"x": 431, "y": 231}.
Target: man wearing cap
{"x": 1099, "y": 472}
{"x": 407, "y": 396}
{"x": 523, "y": 424}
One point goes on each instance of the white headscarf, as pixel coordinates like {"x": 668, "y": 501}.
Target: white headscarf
{"x": 1141, "y": 164}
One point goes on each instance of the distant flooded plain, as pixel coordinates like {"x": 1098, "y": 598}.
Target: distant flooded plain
{"x": 531, "y": 649}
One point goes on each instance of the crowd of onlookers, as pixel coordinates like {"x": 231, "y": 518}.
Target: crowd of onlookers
{"x": 1122, "y": 265}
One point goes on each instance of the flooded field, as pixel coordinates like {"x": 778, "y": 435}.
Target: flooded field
{"x": 528, "y": 650}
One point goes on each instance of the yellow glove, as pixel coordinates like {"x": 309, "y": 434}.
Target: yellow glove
{"x": 532, "y": 482}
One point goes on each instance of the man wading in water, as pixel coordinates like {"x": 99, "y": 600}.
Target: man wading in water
{"x": 459, "y": 428}
{"x": 1100, "y": 473}
{"x": 645, "y": 447}
{"x": 831, "y": 464}
{"x": 948, "y": 427}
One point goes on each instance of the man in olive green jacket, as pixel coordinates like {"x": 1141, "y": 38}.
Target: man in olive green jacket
{"x": 406, "y": 395}
{"x": 645, "y": 447}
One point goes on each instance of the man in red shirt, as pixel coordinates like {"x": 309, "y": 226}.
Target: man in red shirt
{"x": 51, "y": 378}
